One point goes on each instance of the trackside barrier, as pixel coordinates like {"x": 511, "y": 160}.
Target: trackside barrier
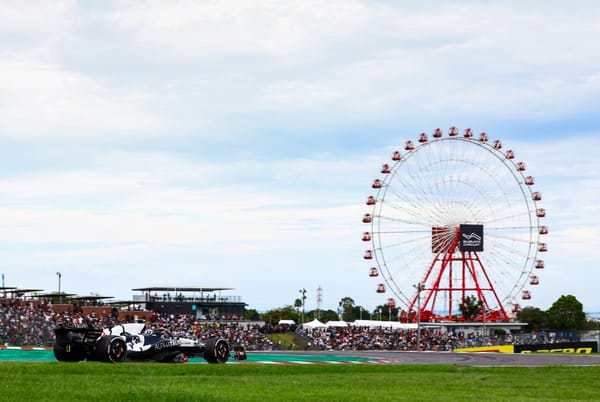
{"x": 562, "y": 347}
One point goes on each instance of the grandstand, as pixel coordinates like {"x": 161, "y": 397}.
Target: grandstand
{"x": 200, "y": 302}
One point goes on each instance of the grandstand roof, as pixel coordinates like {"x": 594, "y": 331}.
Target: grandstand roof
{"x": 25, "y": 292}
{"x": 55, "y": 294}
{"x": 19, "y": 290}
{"x": 91, "y": 297}
{"x": 179, "y": 289}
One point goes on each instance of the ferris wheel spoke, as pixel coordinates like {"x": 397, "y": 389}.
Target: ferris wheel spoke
{"x": 409, "y": 210}
{"x": 514, "y": 239}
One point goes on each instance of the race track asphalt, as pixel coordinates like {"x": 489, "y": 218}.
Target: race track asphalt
{"x": 458, "y": 358}
{"x": 368, "y": 357}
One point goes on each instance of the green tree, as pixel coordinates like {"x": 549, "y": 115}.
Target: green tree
{"x": 283, "y": 313}
{"x": 380, "y": 312}
{"x": 298, "y": 304}
{"x": 535, "y": 318}
{"x": 359, "y": 312}
{"x": 346, "y": 305}
{"x": 567, "y": 313}
{"x": 470, "y": 307}
{"x": 326, "y": 315}
{"x": 252, "y": 315}
{"x": 387, "y": 314}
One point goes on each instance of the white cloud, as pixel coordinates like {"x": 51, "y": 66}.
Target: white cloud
{"x": 160, "y": 68}
{"x": 40, "y": 100}
{"x": 41, "y": 16}
{"x": 124, "y": 79}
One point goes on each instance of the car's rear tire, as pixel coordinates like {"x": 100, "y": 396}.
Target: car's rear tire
{"x": 111, "y": 348}
{"x": 216, "y": 350}
{"x": 68, "y": 352}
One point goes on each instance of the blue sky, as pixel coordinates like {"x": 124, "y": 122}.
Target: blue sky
{"x": 147, "y": 143}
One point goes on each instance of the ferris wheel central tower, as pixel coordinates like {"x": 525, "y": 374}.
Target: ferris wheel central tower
{"x": 435, "y": 207}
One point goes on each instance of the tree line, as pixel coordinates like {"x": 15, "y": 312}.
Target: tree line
{"x": 565, "y": 313}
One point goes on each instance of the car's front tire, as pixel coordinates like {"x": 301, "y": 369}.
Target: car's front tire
{"x": 216, "y": 350}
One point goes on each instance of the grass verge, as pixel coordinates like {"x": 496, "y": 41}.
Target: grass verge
{"x": 93, "y": 381}
{"x": 284, "y": 341}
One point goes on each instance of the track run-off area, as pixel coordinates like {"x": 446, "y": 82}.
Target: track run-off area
{"x": 38, "y": 354}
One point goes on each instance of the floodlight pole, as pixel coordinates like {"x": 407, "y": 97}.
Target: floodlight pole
{"x": 59, "y": 294}
{"x": 485, "y": 335}
{"x": 419, "y": 286}
{"x": 303, "y": 292}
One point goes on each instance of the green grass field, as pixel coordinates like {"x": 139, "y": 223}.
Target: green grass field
{"x": 91, "y": 381}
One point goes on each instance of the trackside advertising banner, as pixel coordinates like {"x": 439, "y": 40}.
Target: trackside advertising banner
{"x": 563, "y": 347}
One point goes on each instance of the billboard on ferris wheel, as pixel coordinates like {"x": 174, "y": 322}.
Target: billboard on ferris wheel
{"x": 471, "y": 237}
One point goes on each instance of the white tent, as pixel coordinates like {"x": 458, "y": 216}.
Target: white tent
{"x": 383, "y": 324}
{"x": 287, "y": 322}
{"x": 337, "y": 324}
{"x": 313, "y": 324}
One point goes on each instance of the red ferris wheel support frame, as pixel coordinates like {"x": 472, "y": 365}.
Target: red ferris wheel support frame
{"x": 471, "y": 279}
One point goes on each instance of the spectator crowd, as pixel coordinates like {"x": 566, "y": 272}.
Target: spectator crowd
{"x": 26, "y": 324}
{"x": 357, "y": 338}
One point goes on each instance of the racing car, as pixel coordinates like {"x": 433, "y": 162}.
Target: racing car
{"x": 77, "y": 342}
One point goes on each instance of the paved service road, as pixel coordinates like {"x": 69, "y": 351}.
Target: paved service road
{"x": 468, "y": 359}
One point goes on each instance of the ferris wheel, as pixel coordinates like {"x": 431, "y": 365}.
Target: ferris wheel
{"x": 454, "y": 217}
